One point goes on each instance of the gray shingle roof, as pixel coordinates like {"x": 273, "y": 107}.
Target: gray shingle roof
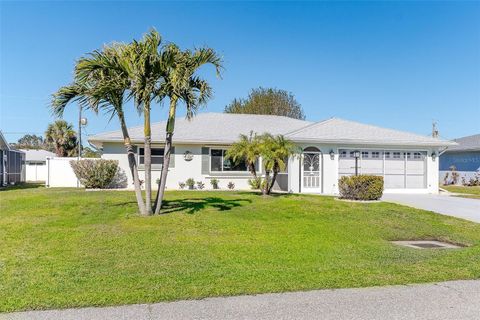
{"x": 210, "y": 128}
{"x": 469, "y": 143}
{"x": 224, "y": 128}
{"x": 37, "y": 155}
{"x": 336, "y": 130}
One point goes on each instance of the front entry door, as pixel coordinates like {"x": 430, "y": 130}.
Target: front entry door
{"x": 311, "y": 171}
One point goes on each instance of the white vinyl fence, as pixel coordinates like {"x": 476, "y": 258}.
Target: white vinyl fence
{"x": 60, "y": 173}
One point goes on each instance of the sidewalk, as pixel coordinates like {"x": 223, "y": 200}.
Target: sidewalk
{"x": 447, "y": 300}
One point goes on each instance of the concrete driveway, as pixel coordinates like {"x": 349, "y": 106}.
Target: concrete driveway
{"x": 468, "y": 209}
{"x": 445, "y": 300}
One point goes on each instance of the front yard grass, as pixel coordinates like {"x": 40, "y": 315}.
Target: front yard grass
{"x": 70, "y": 248}
{"x": 464, "y": 192}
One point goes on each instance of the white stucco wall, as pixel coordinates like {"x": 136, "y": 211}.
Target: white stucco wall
{"x": 330, "y": 168}
{"x": 193, "y": 169}
{"x": 182, "y": 170}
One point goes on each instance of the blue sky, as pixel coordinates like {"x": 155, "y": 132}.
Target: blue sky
{"x": 392, "y": 64}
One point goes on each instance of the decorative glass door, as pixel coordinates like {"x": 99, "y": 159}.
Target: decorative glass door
{"x": 311, "y": 170}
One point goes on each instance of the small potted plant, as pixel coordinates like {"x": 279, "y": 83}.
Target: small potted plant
{"x": 231, "y": 185}
{"x": 181, "y": 185}
{"x": 190, "y": 183}
{"x": 214, "y": 183}
{"x": 200, "y": 185}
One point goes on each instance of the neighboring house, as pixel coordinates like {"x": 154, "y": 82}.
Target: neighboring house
{"x": 465, "y": 157}
{"x": 408, "y": 162}
{"x": 12, "y": 166}
{"x": 36, "y": 164}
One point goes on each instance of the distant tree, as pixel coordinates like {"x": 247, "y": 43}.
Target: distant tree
{"x": 31, "y": 141}
{"x": 88, "y": 152}
{"x": 63, "y": 138}
{"x": 268, "y": 101}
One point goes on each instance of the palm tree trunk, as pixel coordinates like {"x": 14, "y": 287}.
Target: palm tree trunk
{"x": 274, "y": 177}
{"x": 166, "y": 155}
{"x": 148, "y": 158}
{"x": 253, "y": 170}
{"x": 132, "y": 162}
{"x": 267, "y": 182}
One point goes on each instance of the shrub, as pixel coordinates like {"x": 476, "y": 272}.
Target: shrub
{"x": 362, "y": 187}
{"x": 190, "y": 183}
{"x": 255, "y": 183}
{"x": 200, "y": 185}
{"x": 214, "y": 183}
{"x": 473, "y": 181}
{"x": 231, "y": 185}
{"x": 95, "y": 174}
{"x": 181, "y": 185}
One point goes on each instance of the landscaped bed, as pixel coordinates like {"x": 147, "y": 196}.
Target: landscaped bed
{"x": 69, "y": 248}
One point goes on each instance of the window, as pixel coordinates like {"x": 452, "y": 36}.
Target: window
{"x": 396, "y": 155}
{"x": 218, "y": 162}
{"x": 352, "y": 154}
{"x": 375, "y": 154}
{"x": 343, "y": 154}
{"x": 407, "y": 154}
{"x": 364, "y": 154}
{"x": 387, "y": 155}
{"x": 157, "y": 156}
{"x": 417, "y": 155}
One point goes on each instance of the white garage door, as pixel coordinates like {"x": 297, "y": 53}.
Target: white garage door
{"x": 400, "y": 169}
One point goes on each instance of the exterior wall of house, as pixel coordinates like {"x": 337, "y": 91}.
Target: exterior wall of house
{"x": 330, "y": 172}
{"x": 329, "y": 175}
{"x": 181, "y": 169}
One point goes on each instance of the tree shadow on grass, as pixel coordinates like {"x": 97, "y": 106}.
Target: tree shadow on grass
{"x": 21, "y": 186}
{"x": 193, "y": 205}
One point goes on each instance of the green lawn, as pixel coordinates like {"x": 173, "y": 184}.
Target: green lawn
{"x": 465, "y": 192}
{"x": 70, "y": 248}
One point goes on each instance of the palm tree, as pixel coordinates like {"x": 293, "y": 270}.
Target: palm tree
{"x": 142, "y": 65}
{"x": 100, "y": 84}
{"x": 182, "y": 84}
{"x": 62, "y": 136}
{"x": 247, "y": 149}
{"x": 275, "y": 151}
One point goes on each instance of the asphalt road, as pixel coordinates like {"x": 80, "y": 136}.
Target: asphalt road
{"x": 447, "y": 300}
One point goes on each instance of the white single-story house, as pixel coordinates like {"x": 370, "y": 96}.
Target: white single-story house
{"x": 36, "y": 164}
{"x": 465, "y": 157}
{"x": 330, "y": 149}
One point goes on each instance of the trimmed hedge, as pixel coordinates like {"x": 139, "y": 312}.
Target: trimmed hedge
{"x": 362, "y": 187}
{"x": 95, "y": 174}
